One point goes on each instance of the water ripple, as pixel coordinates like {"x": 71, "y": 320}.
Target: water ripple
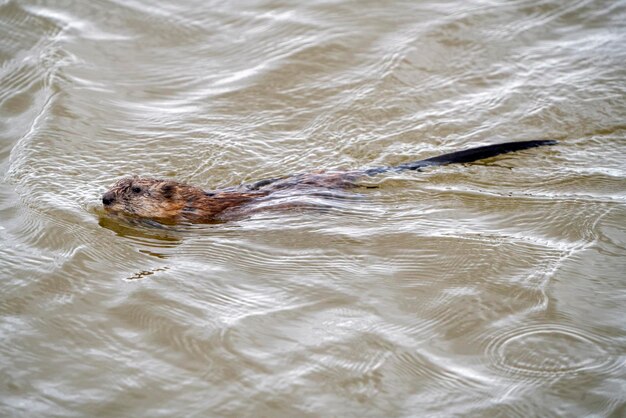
{"x": 550, "y": 350}
{"x": 422, "y": 296}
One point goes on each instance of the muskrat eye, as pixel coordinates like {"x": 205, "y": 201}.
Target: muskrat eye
{"x": 136, "y": 189}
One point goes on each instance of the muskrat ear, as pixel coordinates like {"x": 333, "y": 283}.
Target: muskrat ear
{"x": 168, "y": 190}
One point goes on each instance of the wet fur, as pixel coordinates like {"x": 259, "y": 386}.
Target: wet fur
{"x": 169, "y": 201}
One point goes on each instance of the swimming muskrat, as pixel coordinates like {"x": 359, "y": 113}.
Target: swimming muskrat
{"x": 170, "y": 201}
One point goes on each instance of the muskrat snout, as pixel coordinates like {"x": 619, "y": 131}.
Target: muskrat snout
{"x": 108, "y": 198}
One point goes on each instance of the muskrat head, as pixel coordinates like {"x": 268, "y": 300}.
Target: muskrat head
{"x": 145, "y": 198}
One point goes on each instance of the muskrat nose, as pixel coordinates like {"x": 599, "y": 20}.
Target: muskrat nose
{"x": 108, "y": 198}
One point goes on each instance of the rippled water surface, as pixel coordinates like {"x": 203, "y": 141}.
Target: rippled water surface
{"x": 488, "y": 289}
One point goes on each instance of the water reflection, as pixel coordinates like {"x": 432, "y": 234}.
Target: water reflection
{"x": 472, "y": 290}
{"x": 151, "y": 237}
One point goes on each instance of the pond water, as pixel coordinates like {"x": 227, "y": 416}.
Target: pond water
{"x": 495, "y": 288}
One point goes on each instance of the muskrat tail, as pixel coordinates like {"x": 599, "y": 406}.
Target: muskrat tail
{"x": 465, "y": 156}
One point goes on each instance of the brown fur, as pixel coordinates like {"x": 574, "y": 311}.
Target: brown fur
{"x": 170, "y": 201}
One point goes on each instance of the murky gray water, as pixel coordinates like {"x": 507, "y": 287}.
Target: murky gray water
{"x": 490, "y": 289}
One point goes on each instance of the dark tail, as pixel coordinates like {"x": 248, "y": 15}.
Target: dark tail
{"x": 465, "y": 156}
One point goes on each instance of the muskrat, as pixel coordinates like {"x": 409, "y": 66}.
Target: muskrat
{"x": 170, "y": 201}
